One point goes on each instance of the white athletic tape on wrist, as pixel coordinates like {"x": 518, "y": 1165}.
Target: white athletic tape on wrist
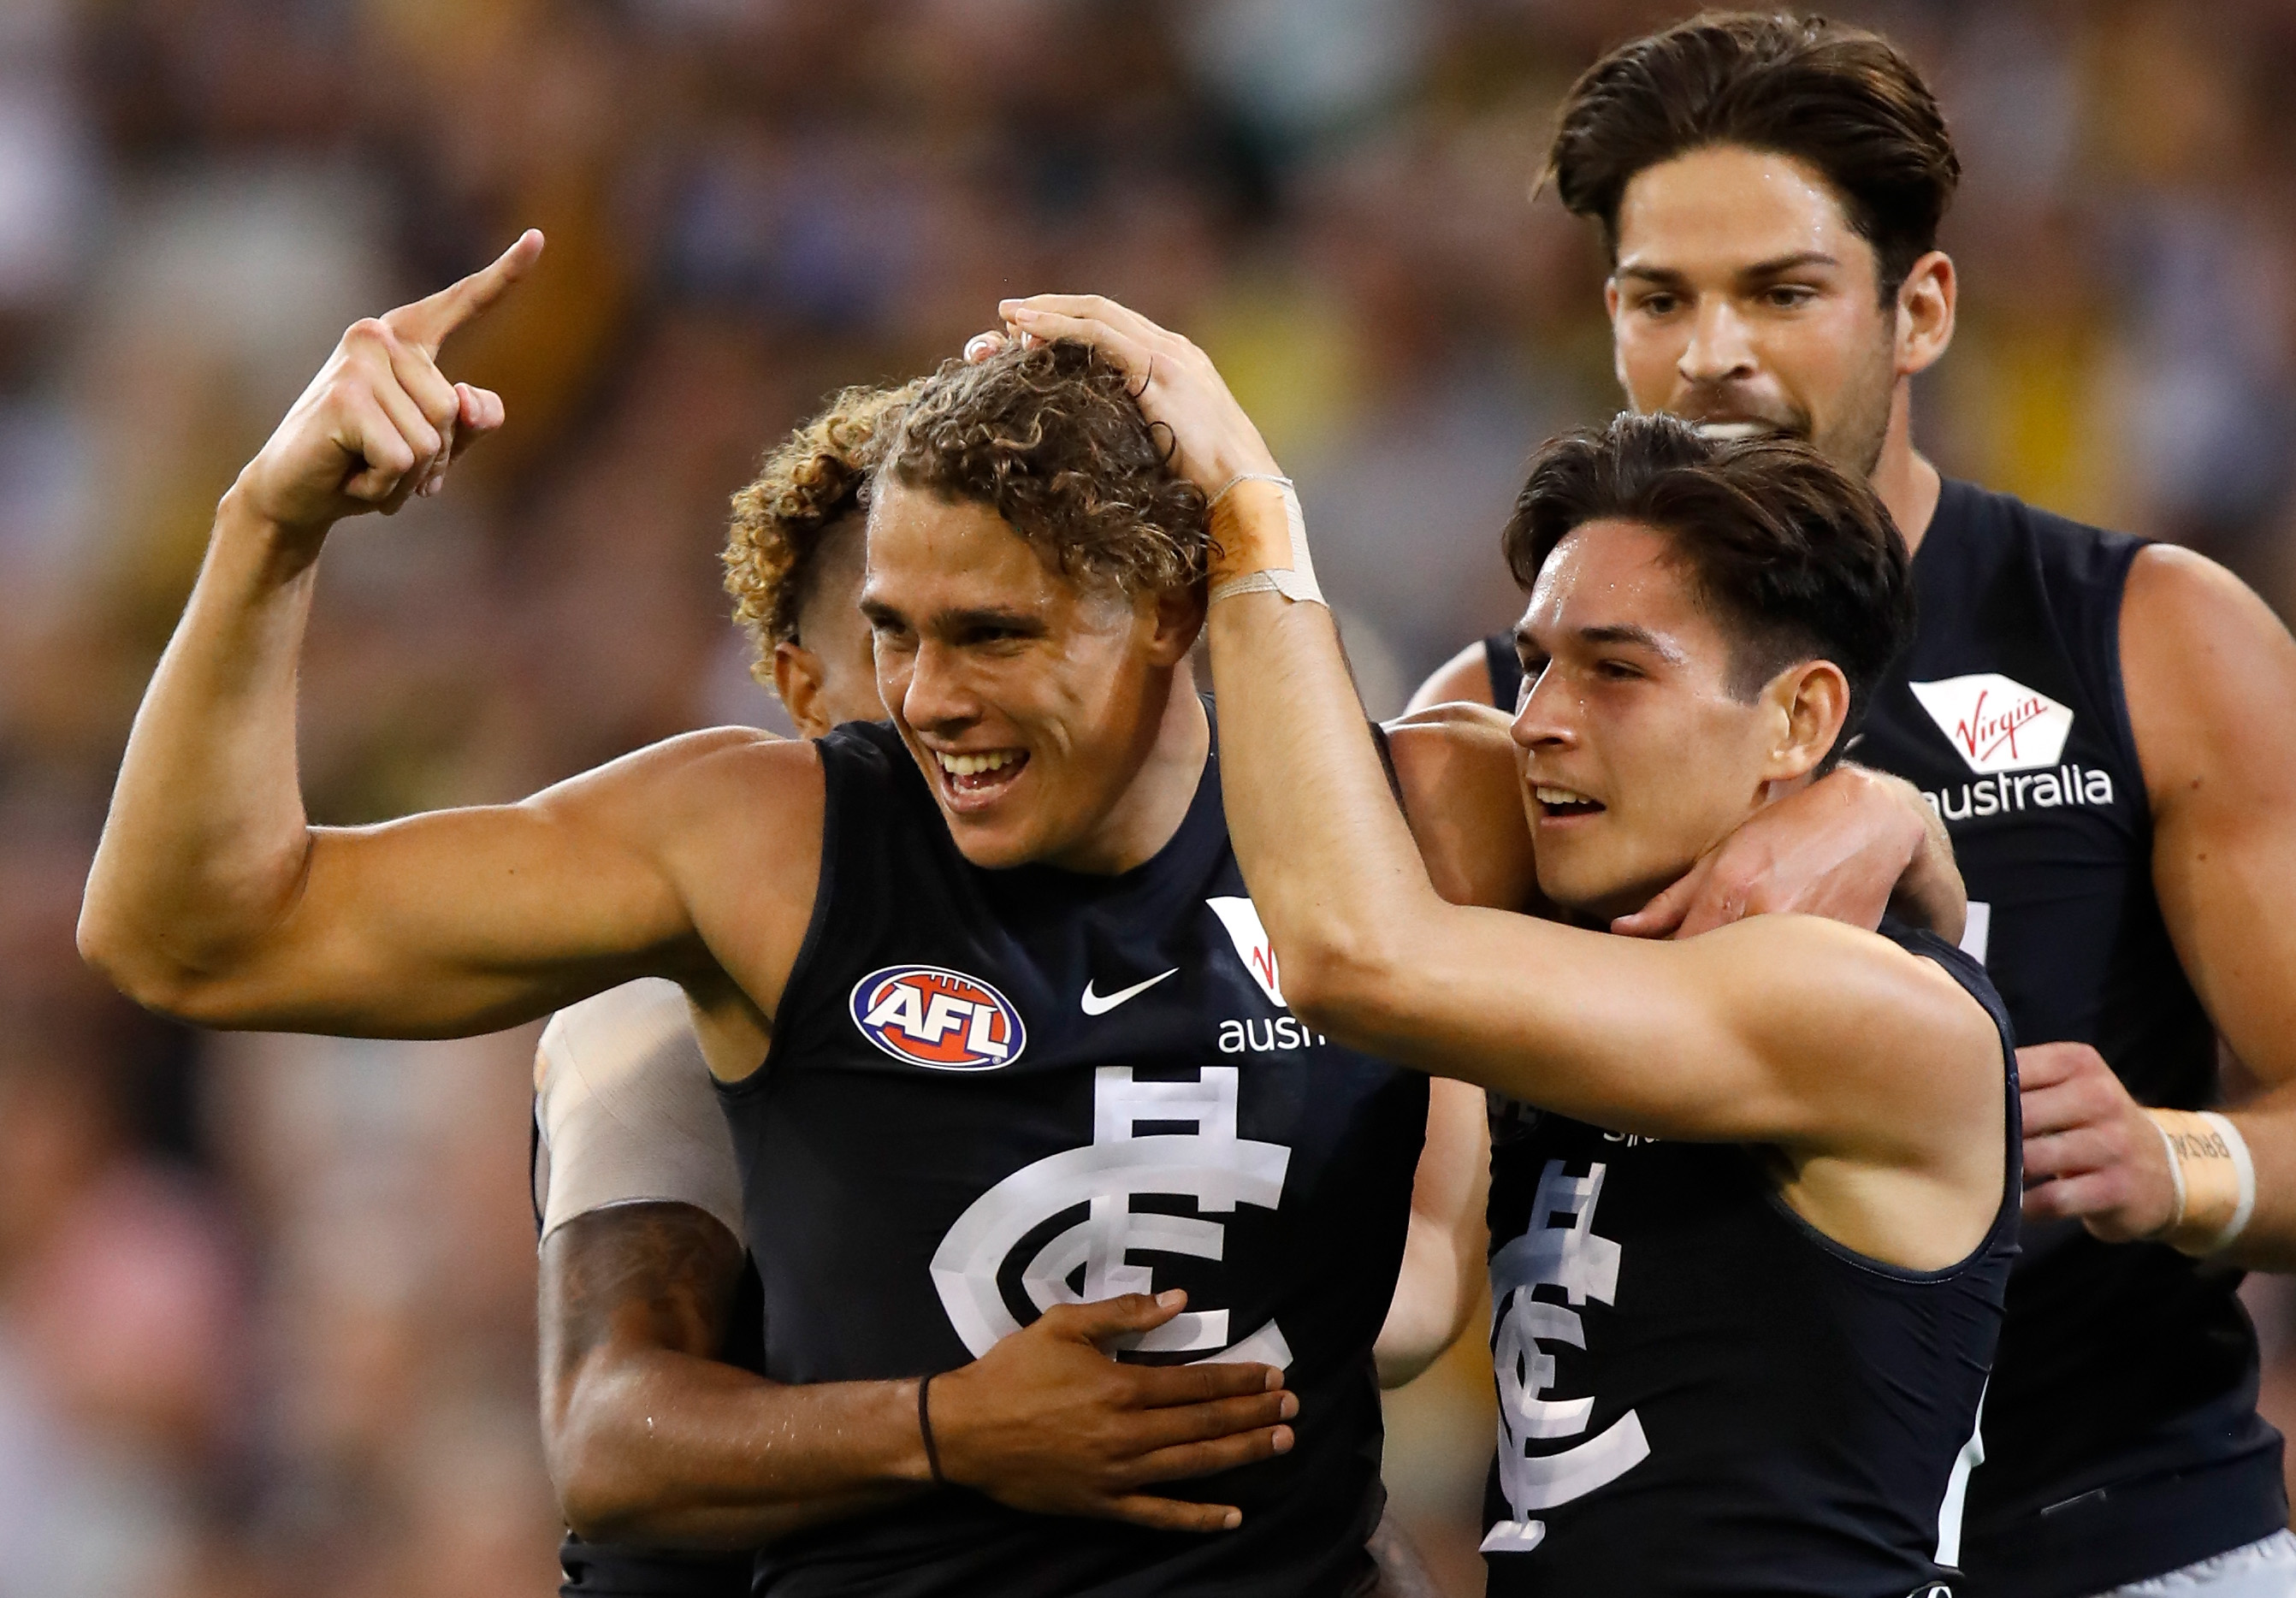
{"x": 2245, "y": 1165}
{"x": 1296, "y": 582}
{"x": 2215, "y": 1178}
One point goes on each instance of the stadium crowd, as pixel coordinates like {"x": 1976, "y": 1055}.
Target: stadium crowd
{"x": 266, "y": 1302}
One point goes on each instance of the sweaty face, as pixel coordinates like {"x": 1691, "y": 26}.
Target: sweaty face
{"x": 1030, "y": 701}
{"x": 1743, "y": 300}
{"x": 1635, "y": 756}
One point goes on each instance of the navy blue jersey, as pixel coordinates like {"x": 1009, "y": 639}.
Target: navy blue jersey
{"x": 2122, "y": 1429}
{"x": 1702, "y": 1394}
{"x": 991, "y": 1091}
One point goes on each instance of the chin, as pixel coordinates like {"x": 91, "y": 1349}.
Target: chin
{"x": 992, "y": 845}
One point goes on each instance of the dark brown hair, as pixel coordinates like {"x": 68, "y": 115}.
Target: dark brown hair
{"x": 1050, "y": 439}
{"x": 1845, "y": 100}
{"x": 1797, "y": 559}
{"x": 806, "y": 486}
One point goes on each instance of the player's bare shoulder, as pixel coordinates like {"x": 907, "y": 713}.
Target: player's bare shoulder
{"x": 731, "y": 818}
{"x": 1891, "y": 1027}
{"x": 1455, "y": 768}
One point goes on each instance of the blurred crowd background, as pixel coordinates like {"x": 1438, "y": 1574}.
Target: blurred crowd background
{"x": 266, "y": 1317}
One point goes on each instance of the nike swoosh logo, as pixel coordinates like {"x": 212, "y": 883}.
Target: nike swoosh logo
{"x": 1096, "y": 1004}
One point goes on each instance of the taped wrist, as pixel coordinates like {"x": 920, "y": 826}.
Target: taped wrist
{"x": 1295, "y": 581}
{"x": 2214, "y": 1177}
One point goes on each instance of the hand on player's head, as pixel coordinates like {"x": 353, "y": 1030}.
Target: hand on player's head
{"x": 381, "y": 422}
{"x": 1177, "y": 385}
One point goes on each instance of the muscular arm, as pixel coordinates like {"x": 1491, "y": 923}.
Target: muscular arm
{"x": 1843, "y": 1051}
{"x": 211, "y": 896}
{"x": 651, "y": 1438}
{"x": 2210, "y": 675}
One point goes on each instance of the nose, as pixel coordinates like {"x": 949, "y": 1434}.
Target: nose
{"x": 1718, "y": 350}
{"x": 936, "y": 698}
{"x": 1545, "y": 714}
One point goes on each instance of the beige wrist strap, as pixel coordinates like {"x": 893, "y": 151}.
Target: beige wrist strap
{"x": 2215, "y": 1179}
{"x": 1295, "y": 582}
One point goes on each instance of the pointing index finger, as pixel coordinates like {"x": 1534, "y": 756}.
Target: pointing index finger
{"x": 431, "y": 322}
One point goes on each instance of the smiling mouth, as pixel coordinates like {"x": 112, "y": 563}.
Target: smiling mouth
{"x": 1561, "y": 803}
{"x": 974, "y": 778}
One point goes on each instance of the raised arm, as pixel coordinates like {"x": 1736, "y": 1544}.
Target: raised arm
{"x": 1784, "y": 1030}
{"x": 213, "y": 898}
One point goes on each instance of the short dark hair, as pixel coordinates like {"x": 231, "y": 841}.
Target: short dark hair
{"x": 1050, "y": 437}
{"x": 1796, "y": 558}
{"x": 1845, "y": 100}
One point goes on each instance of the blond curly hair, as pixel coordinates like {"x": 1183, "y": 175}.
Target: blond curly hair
{"x": 814, "y": 481}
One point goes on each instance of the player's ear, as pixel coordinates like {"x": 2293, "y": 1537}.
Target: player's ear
{"x": 798, "y": 677}
{"x": 1925, "y": 312}
{"x": 1179, "y": 614}
{"x": 1808, "y": 703}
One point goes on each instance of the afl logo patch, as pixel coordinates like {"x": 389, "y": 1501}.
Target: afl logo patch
{"x": 942, "y": 1019}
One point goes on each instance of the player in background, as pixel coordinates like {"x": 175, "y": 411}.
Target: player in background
{"x": 649, "y": 1329}
{"x": 1757, "y": 1209}
{"x": 2107, "y": 726}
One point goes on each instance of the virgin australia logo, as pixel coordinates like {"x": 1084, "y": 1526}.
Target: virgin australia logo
{"x": 1995, "y": 723}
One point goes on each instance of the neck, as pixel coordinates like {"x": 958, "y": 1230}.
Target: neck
{"x": 1155, "y": 802}
{"x": 1905, "y": 481}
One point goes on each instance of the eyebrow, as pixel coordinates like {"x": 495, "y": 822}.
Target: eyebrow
{"x": 958, "y": 621}
{"x": 1775, "y": 267}
{"x": 1627, "y": 632}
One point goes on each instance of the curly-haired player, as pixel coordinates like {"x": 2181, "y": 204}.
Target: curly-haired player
{"x": 644, "y": 1275}
{"x": 970, "y": 982}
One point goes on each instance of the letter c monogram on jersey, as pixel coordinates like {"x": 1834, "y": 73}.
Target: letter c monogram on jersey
{"x": 942, "y": 1019}
{"x": 1212, "y": 1165}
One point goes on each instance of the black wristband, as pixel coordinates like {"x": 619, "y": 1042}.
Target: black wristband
{"x": 924, "y": 1430}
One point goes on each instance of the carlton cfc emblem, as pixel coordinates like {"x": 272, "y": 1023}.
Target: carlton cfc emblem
{"x": 942, "y": 1019}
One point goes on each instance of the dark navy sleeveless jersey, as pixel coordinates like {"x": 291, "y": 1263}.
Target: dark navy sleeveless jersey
{"x": 991, "y": 1091}
{"x": 1702, "y": 1394}
{"x": 2121, "y": 1428}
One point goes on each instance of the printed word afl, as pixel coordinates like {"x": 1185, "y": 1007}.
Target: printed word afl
{"x": 942, "y": 1019}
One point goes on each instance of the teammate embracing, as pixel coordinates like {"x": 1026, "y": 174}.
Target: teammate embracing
{"x": 2108, "y": 728}
{"x": 1004, "y": 1048}
{"x": 1756, "y": 1200}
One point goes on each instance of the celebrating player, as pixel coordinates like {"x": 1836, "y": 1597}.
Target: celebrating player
{"x": 992, "y": 1008}
{"x": 2104, "y": 725}
{"x": 1759, "y": 1224}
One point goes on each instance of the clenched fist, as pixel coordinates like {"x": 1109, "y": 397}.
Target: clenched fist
{"x": 381, "y": 422}
{"x": 2090, "y": 1150}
